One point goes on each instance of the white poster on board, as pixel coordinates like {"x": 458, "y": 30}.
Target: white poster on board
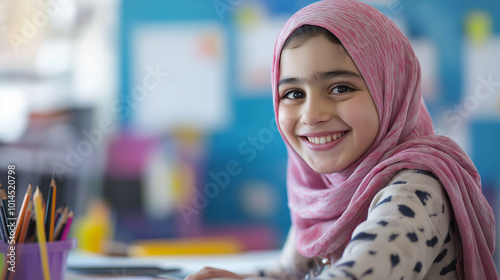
{"x": 481, "y": 97}
{"x": 178, "y": 76}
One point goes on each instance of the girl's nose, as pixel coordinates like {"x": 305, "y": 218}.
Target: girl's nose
{"x": 316, "y": 110}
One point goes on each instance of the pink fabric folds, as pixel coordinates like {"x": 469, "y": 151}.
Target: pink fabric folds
{"x": 325, "y": 208}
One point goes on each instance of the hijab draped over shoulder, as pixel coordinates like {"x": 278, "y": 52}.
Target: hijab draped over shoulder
{"x": 326, "y": 208}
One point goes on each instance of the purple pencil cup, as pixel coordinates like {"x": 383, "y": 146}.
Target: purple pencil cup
{"x": 27, "y": 263}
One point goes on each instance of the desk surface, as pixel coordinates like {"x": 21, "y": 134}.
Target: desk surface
{"x": 242, "y": 263}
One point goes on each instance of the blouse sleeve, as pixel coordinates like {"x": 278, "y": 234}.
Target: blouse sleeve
{"x": 407, "y": 224}
{"x": 290, "y": 264}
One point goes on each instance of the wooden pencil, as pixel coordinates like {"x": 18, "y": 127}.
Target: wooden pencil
{"x": 50, "y": 210}
{"x": 66, "y": 228}
{"x": 31, "y": 229}
{"x": 3, "y": 225}
{"x": 40, "y": 229}
{"x": 59, "y": 212}
{"x": 22, "y": 212}
{"x": 26, "y": 222}
{"x": 3, "y": 206}
{"x": 62, "y": 221}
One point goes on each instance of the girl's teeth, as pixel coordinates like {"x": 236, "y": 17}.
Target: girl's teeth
{"x": 324, "y": 140}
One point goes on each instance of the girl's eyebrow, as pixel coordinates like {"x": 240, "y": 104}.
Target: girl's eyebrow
{"x": 320, "y": 76}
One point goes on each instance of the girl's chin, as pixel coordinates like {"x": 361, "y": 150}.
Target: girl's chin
{"x": 324, "y": 168}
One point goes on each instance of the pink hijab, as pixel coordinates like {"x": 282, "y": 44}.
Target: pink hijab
{"x": 326, "y": 208}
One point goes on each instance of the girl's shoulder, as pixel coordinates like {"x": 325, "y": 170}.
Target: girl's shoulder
{"x": 416, "y": 187}
{"x": 414, "y": 176}
{"x": 415, "y": 205}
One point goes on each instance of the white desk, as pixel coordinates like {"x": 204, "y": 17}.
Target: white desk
{"x": 242, "y": 263}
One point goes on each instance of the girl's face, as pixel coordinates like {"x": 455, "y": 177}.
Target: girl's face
{"x": 325, "y": 110}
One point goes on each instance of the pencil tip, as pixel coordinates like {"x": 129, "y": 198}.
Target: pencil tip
{"x": 52, "y": 181}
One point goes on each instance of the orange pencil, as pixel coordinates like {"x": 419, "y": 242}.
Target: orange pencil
{"x": 26, "y": 222}
{"x": 22, "y": 213}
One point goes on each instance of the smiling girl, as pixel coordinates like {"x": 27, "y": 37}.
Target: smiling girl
{"x": 373, "y": 193}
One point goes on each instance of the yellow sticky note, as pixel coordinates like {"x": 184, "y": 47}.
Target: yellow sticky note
{"x": 478, "y": 26}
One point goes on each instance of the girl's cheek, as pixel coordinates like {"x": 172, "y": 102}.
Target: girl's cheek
{"x": 286, "y": 122}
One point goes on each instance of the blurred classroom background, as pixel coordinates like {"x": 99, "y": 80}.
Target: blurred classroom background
{"x": 156, "y": 116}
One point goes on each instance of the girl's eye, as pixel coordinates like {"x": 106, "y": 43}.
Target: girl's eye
{"x": 293, "y": 94}
{"x": 341, "y": 89}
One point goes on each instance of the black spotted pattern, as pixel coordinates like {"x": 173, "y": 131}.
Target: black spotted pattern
{"x": 348, "y": 264}
{"x": 350, "y": 275}
{"x": 382, "y": 223}
{"x": 393, "y": 237}
{"x": 406, "y": 211}
{"x": 441, "y": 256}
{"x": 412, "y": 236}
{"x": 364, "y": 236}
{"x": 394, "y": 260}
{"x": 449, "y": 268}
{"x": 399, "y": 182}
{"x": 448, "y": 238}
{"x": 416, "y": 236}
{"x": 418, "y": 267}
{"x": 432, "y": 242}
{"x": 423, "y": 196}
{"x": 387, "y": 199}
{"x": 367, "y": 272}
{"x": 428, "y": 173}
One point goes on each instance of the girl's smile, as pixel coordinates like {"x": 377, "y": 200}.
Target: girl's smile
{"x": 326, "y": 111}
{"x": 323, "y": 140}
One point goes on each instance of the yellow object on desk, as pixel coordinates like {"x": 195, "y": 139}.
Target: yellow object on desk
{"x": 95, "y": 228}
{"x": 186, "y": 246}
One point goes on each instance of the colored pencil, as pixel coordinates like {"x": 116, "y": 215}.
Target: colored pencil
{"x": 3, "y": 226}
{"x": 22, "y": 222}
{"x": 22, "y": 212}
{"x": 59, "y": 212}
{"x": 31, "y": 229}
{"x": 3, "y": 232}
{"x": 4, "y": 198}
{"x": 3, "y": 206}
{"x": 62, "y": 221}
{"x": 26, "y": 222}
{"x": 50, "y": 210}
{"x": 40, "y": 229}
{"x": 67, "y": 226}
